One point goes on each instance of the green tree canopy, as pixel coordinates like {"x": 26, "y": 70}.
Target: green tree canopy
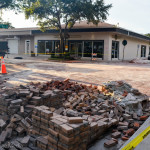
{"x": 148, "y": 34}
{"x": 7, "y": 3}
{"x": 11, "y": 4}
{"x": 53, "y": 13}
{"x": 5, "y": 24}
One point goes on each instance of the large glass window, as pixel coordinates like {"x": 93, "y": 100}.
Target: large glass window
{"x": 75, "y": 48}
{"x": 87, "y": 49}
{"x": 41, "y": 47}
{"x": 48, "y": 47}
{"x": 143, "y": 51}
{"x": 80, "y": 49}
{"x": 98, "y": 47}
{"x": 57, "y": 47}
{"x": 45, "y": 47}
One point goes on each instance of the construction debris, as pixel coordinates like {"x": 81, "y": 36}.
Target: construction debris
{"x": 140, "y": 61}
{"x": 64, "y": 115}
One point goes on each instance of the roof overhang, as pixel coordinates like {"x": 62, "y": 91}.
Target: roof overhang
{"x": 13, "y": 32}
{"x": 22, "y": 32}
{"x": 114, "y": 29}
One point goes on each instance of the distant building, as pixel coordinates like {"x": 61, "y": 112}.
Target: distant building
{"x": 85, "y": 39}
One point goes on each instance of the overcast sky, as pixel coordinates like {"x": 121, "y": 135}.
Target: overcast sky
{"x": 130, "y": 14}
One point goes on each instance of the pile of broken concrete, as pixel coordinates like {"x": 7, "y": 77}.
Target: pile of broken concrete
{"x": 61, "y": 115}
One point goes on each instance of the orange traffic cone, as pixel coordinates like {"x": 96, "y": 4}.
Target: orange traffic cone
{"x": 3, "y": 67}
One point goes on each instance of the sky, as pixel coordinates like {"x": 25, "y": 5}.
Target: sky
{"x": 130, "y": 14}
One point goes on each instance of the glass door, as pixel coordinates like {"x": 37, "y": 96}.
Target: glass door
{"x": 115, "y": 50}
{"x": 48, "y": 47}
{"x": 98, "y": 48}
{"x": 27, "y": 47}
{"x": 79, "y": 49}
{"x": 75, "y": 49}
{"x": 143, "y": 51}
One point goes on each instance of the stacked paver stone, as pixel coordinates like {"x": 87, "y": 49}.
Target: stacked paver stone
{"x": 64, "y": 133}
{"x": 68, "y": 133}
{"x": 99, "y": 112}
{"x": 98, "y": 126}
{"x": 40, "y": 120}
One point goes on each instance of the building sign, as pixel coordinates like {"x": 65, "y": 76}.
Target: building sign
{"x": 124, "y": 42}
{"x": 4, "y": 26}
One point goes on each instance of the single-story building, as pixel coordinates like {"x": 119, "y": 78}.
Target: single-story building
{"x": 84, "y": 39}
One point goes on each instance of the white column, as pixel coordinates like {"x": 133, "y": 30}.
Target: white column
{"x": 107, "y": 48}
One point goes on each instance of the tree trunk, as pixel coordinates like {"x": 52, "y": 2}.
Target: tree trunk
{"x": 61, "y": 45}
{"x": 61, "y": 49}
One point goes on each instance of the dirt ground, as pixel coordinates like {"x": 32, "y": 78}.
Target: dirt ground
{"x": 23, "y": 71}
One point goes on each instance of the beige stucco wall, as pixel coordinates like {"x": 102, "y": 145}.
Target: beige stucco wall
{"x": 131, "y": 49}
{"x": 22, "y": 40}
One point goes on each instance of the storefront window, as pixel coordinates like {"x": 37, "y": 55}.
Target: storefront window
{"x": 87, "y": 49}
{"x": 75, "y": 48}
{"x": 57, "y": 47}
{"x": 98, "y": 47}
{"x": 45, "y": 47}
{"x": 41, "y": 47}
{"x": 48, "y": 47}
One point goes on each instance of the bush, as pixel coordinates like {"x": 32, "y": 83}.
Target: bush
{"x": 65, "y": 56}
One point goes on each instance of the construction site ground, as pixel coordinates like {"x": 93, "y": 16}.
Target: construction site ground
{"x": 38, "y": 69}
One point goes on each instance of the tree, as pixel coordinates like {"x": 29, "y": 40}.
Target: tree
{"x": 4, "y": 24}
{"x": 11, "y": 4}
{"x": 148, "y": 34}
{"x": 52, "y": 14}
{"x": 6, "y": 3}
